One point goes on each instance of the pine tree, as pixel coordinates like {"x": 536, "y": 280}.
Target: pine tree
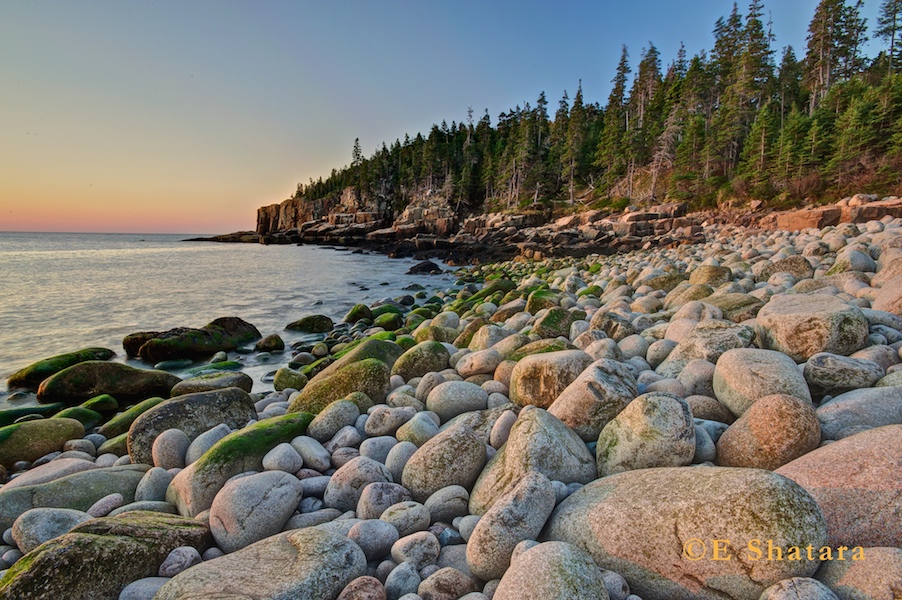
{"x": 789, "y": 83}
{"x": 610, "y": 157}
{"x": 577, "y": 129}
{"x": 889, "y": 27}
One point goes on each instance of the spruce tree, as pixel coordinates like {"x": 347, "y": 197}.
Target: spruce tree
{"x": 889, "y": 27}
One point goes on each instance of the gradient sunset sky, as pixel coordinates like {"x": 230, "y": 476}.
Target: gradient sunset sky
{"x": 175, "y": 116}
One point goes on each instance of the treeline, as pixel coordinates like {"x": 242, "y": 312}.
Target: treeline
{"x": 730, "y": 123}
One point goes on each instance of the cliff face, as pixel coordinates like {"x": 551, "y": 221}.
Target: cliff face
{"x": 294, "y": 212}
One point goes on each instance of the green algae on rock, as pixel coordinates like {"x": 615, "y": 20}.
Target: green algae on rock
{"x": 86, "y": 380}
{"x": 312, "y": 324}
{"x": 224, "y": 333}
{"x": 31, "y": 376}
{"x": 370, "y": 376}
{"x": 121, "y": 422}
{"x": 194, "y": 487}
{"x": 31, "y": 440}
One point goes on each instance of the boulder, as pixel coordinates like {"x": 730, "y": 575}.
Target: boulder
{"x": 38, "y": 525}
{"x": 77, "y": 491}
{"x": 552, "y": 570}
{"x": 834, "y": 374}
{"x": 517, "y": 515}
{"x": 346, "y": 484}
{"x": 30, "y": 440}
{"x": 213, "y": 381}
{"x": 538, "y": 442}
{"x": 707, "y": 340}
{"x": 654, "y": 430}
{"x": 192, "y": 490}
{"x": 889, "y": 297}
{"x": 370, "y": 376}
{"x": 744, "y": 375}
{"x": 857, "y": 483}
{"x": 98, "y": 558}
{"x": 776, "y": 430}
{"x": 31, "y": 376}
{"x": 222, "y": 334}
{"x": 595, "y": 397}
{"x": 456, "y": 456}
{"x": 312, "y": 324}
{"x": 421, "y": 359}
{"x": 878, "y": 575}
{"x": 665, "y": 549}
{"x": 85, "y": 380}
{"x": 249, "y": 509}
{"x": 797, "y": 266}
{"x": 193, "y": 414}
{"x": 306, "y": 564}
{"x": 800, "y": 326}
{"x": 860, "y": 410}
{"x": 538, "y": 379}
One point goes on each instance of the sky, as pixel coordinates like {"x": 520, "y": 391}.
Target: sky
{"x": 185, "y": 117}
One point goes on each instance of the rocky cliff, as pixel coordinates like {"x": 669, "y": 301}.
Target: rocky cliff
{"x": 295, "y": 212}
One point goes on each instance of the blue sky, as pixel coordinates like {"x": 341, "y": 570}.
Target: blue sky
{"x": 186, "y": 116}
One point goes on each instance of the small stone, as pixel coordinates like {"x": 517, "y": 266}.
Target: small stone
{"x": 375, "y": 537}
{"x": 377, "y": 497}
{"x": 37, "y": 525}
{"x": 178, "y": 560}
{"x": 407, "y": 517}
{"x": 283, "y": 458}
{"x": 312, "y": 453}
{"x": 363, "y": 588}
{"x": 205, "y": 441}
{"x": 153, "y": 485}
{"x": 105, "y": 505}
{"x": 420, "y": 548}
{"x": 404, "y": 579}
{"x": 143, "y": 589}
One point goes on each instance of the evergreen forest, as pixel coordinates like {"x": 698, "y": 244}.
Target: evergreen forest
{"x": 736, "y": 123}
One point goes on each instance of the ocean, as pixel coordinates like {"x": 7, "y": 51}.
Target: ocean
{"x": 61, "y": 292}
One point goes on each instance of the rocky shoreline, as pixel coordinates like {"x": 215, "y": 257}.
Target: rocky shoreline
{"x": 584, "y": 426}
{"x": 433, "y": 234}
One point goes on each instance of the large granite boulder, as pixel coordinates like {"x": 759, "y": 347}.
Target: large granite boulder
{"x": 31, "y": 376}
{"x": 224, "y": 333}
{"x": 595, "y": 397}
{"x": 860, "y": 410}
{"x": 307, "y": 564}
{"x": 708, "y": 340}
{"x": 191, "y": 413}
{"x": 455, "y": 456}
{"x": 538, "y": 379}
{"x": 30, "y": 440}
{"x": 98, "y": 558}
{"x": 744, "y": 375}
{"x": 370, "y": 376}
{"x": 539, "y": 442}
{"x": 192, "y": 490}
{"x": 552, "y": 570}
{"x": 85, "y": 380}
{"x": 858, "y": 485}
{"x": 654, "y": 430}
{"x": 78, "y": 491}
{"x": 659, "y": 528}
{"x": 801, "y": 325}
{"x": 776, "y": 430}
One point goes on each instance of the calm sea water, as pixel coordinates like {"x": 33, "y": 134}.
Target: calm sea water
{"x": 60, "y": 292}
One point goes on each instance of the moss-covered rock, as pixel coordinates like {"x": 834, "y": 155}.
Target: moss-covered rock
{"x": 87, "y": 417}
{"x": 556, "y": 322}
{"x": 271, "y": 343}
{"x": 289, "y": 378}
{"x": 666, "y": 282}
{"x": 213, "y": 381}
{"x": 82, "y": 381}
{"x": 225, "y": 333}
{"x": 31, "y": 440}
{"x": 540, "y": 347}
{"x": 121, "y": 422}
{"x": 117, "y": 445}
{"x": 383, "y": 350}
{"x": 736, "y": 307}
{"x": 389, "y": 321}
{"x": 77, "y": 491}
{"x": 435, "y": 333}
{"x": 384, "y": 309}
{"x": 540, "y": 299}
{"x": 358, "y": 312}
{"x": 31, "y": 376}
{"x": 421, "y": 359}
{"x": 8, "y": 416}
{"x": 312, "y": 324}
{"x": 194, "y": 487}
{"x": 191, "y": 413}
{"x": 100, "y": 557}
{"x": 104, "y": 403}
{"x": 370, "y": 376}
{"x": 463, "y": 339}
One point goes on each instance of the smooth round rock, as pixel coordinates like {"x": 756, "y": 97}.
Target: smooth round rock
{"x": 37, "y": 525}
{"x": 407, "y": 517}
{"x": 378, "y": 496}
{"x": 283, "y": 458}
{"x": 552, "y": 570}
{"x": 170, "y": 448}
{"x": 375, "y": 537}
{"x": 181, "y": 558}
{"x": 453, "y": 398}
{"x": 347, "y": 483}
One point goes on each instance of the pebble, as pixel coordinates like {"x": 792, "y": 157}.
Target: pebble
{"x": 283, "y": 458}
{"x": 179, "y": 559}
{"x": 170, "y": 449}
